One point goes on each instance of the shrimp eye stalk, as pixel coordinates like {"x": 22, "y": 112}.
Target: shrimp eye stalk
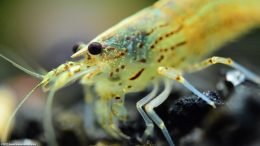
{"x": 95, "y": 48}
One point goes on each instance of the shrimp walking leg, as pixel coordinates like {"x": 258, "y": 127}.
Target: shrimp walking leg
{"x": 177, "y": 75}
{"x": 140, "y": 104}
{"x": 149, "y": 108}
{"x": 107, "y": 119}
{"x": 227, "y": 61}
{"x": 102, "y": 111}
{"x": 118, "y": 112}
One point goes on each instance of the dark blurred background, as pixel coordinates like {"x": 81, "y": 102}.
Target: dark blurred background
{"x": 43, "y": 32}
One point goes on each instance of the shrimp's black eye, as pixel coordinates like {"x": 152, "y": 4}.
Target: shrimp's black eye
{"x": 75, "y": 48}
{"x": 95, "y": 48}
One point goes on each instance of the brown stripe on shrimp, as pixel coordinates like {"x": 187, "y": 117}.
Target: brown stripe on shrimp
{"x": 137, "y": 74}
{"x": 174, "y": 31}
{"x": 182, "y": 43}
{"x": 155, "y": 28}
{"x": 168, "y": 34}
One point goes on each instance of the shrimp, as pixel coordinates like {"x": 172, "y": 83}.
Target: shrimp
{"x": 159, "y": 44}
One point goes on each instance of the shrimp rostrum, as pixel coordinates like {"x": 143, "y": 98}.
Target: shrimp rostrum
{"x": 157, "y": 45}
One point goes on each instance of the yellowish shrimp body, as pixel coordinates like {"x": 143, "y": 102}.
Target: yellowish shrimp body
{"x": 163, "y": 40}
{"x": 169, "y": 33}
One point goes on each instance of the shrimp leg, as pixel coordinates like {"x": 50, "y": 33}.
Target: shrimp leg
{"x": 106, "y": 118}
{"x": 118, "y": 112}
{"x": 177, "y": 75}
{"x": 140, "y": 104}
{"x": 149, "y": 108}
{"x": 102, "y": 111}
{"x": 226, "y": 61}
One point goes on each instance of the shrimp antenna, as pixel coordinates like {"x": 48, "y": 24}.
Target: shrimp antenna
{"x": 39, "y": 76}
{"x": 7, "y": 128}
